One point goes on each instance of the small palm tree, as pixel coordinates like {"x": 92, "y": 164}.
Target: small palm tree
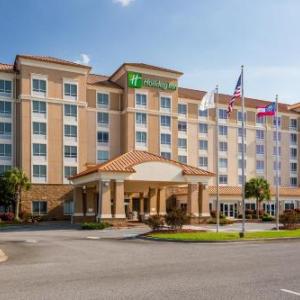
{"x": 17, "y": 181}
{"x": 259, "y": 189}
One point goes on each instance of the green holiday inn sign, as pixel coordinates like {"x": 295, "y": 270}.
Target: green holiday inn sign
{"x": 136, "y": 81}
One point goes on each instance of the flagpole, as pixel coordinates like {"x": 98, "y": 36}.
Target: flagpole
{"x": 217, "y": 159}
{"x": 243, "y": 150}
{"x": 277, "y": 167}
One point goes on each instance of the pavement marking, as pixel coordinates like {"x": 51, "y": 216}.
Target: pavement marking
{"x": 93, "y": 237}
{"x": 3, "y": 256}
{"x": 31, "y": 241}
{"x": 290, "y": 292}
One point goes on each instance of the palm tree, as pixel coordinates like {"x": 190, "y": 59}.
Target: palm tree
{"x": 17, "y": 181}
{"x": 259, "y": 189}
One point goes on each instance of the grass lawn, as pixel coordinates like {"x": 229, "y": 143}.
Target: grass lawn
{"x": 225, "y": 236}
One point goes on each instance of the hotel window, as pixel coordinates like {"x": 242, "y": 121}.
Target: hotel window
{"x": 102, "y": 155}
{"x": 275, "y": 180}
{"x": 241, "y": 179}
{"x": 260, "y": 120}
{"x": 141, "y": 119}
{"x": 223, "y": 146}
{"x": 289, "y": 206}
{"x": 223, "y": 115}
{"x": 293, "y": 124}
{"x": 275, "y": 165}
{"x": 240, "y": 148}
{"x": 5, "y": 108}
{"x": 166, "y": 155}
{"x": 39, "y": 107}
{"x": 182, "y": 159}
{"x": 260, "y": 134}
{"x": 240, "y": 163}
{"x": 39, "y": 171}
{"x": 293, "y": 167}
{"x": 203, "y": 145}
{"x": 182, "y": 126}
{"x": 141, "y": 100}
{"x": 71, "y": 151}
{"x": 203, "y": 113}
{"x": 165, "y": 103}
{"x": 260, "y": 149}
{"x": 223, "y": 163}
{"x": 70, "y": 130}
{"x": 39, "y": 86}
{"x": 102, "y": 100}
{"x": 141, "y": 137}
{"x": 182, "y": 109}
{"x": 293, "y": 153}
{"x": 70, "y": 90}
{"x": 223, "y": 179}
{"x": 223, "y": 130}
{"x": 240, "y": 132}
{"x": 203, "y": 161}
{"x": 70, "y": 171}
{"x": 293, "y": 181}
{"x": 39, "y": 128}
{"x": 103, "y": 118}
{"x": 4, "y": 168}
{"x": 5, "y": 150}
{"x": 182, "y": 143}
{"x": 260, "y": 166}
{"x": 165, "y": 121}
{"x": 39, "y": 149}
{"x": 165, "y": 139}
{"x": 5, "y": 129}
{"x": 275, "y": 136}
{"x": 102, "y": 137}
{"x": 240, "y": 116}
{"x": 279, "y": 121}
{"x": 5, "y": 87}
{"x": 68, "y": 207}
{"x": 39, "y": 207}
{"x": 70, "y": 110}
{"x": 203, "y": 128}
{"x": 275, "y": 152}
{"x": 293, "y": 139}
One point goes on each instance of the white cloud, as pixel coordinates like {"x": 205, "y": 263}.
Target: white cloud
{"x": 84, "y": 59}
{"x": 124, "y": 3}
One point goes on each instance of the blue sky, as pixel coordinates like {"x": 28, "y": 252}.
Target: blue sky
{"x": 208, "y": 40}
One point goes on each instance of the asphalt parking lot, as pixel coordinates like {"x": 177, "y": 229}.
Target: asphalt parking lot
{"x": 66, "y": 263}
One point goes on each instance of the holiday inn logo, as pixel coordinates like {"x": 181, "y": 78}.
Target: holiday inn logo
{"x": 134, "y": 80}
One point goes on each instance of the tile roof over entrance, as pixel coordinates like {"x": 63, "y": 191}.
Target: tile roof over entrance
{"x": 125, "y": 163}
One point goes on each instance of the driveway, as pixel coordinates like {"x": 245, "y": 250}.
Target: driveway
{"x": 67, "y": 263}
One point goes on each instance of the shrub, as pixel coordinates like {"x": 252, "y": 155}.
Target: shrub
{"x": 267, "y": 218}
{"x": 7, "y": 217}
{"x": 176, "y": 218}
{"x": 155, "y": 222}
{"x": 249, "y": 217}
{"x": 289, "y": 219}
{"x": 94, "y": 226}
{"x": 223, "y": 221}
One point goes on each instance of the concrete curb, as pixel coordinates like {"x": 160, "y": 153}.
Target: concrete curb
{"x": 218, "y": 242}
{"x": 3, "y": 256}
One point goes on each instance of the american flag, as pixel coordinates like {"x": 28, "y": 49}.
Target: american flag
{"x": 236, "y": 94}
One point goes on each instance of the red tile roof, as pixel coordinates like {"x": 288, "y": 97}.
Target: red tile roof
{"x": 125, "y": 163}
{"x": 6, "y": 68}
{"x": 51, "y": 59}
{"x": 101, "y": 80}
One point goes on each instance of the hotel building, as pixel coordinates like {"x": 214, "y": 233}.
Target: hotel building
{"x": 58, "y": 119}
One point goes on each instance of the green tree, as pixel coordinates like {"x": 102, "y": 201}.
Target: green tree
{"x": 6, "y": 197}
{"x": 259, "y": 189}
{"x": 16, "y": 181}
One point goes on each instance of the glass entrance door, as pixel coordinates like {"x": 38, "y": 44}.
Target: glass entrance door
{"x": 229, "y": 210}
{"x": 270, "y": 208}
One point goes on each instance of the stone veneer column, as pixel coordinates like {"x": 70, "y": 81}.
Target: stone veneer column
{"x": 90, "y": 203}
{"x": 153, "y": 201}
{"x": 119, "y": 200}
{"x": 193, "y": 200}
{"x": 203, "y": 200}
{"x": 77, "y": 198}
{"x": 104, "y": 200}
{"x": 162, "y": 201}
